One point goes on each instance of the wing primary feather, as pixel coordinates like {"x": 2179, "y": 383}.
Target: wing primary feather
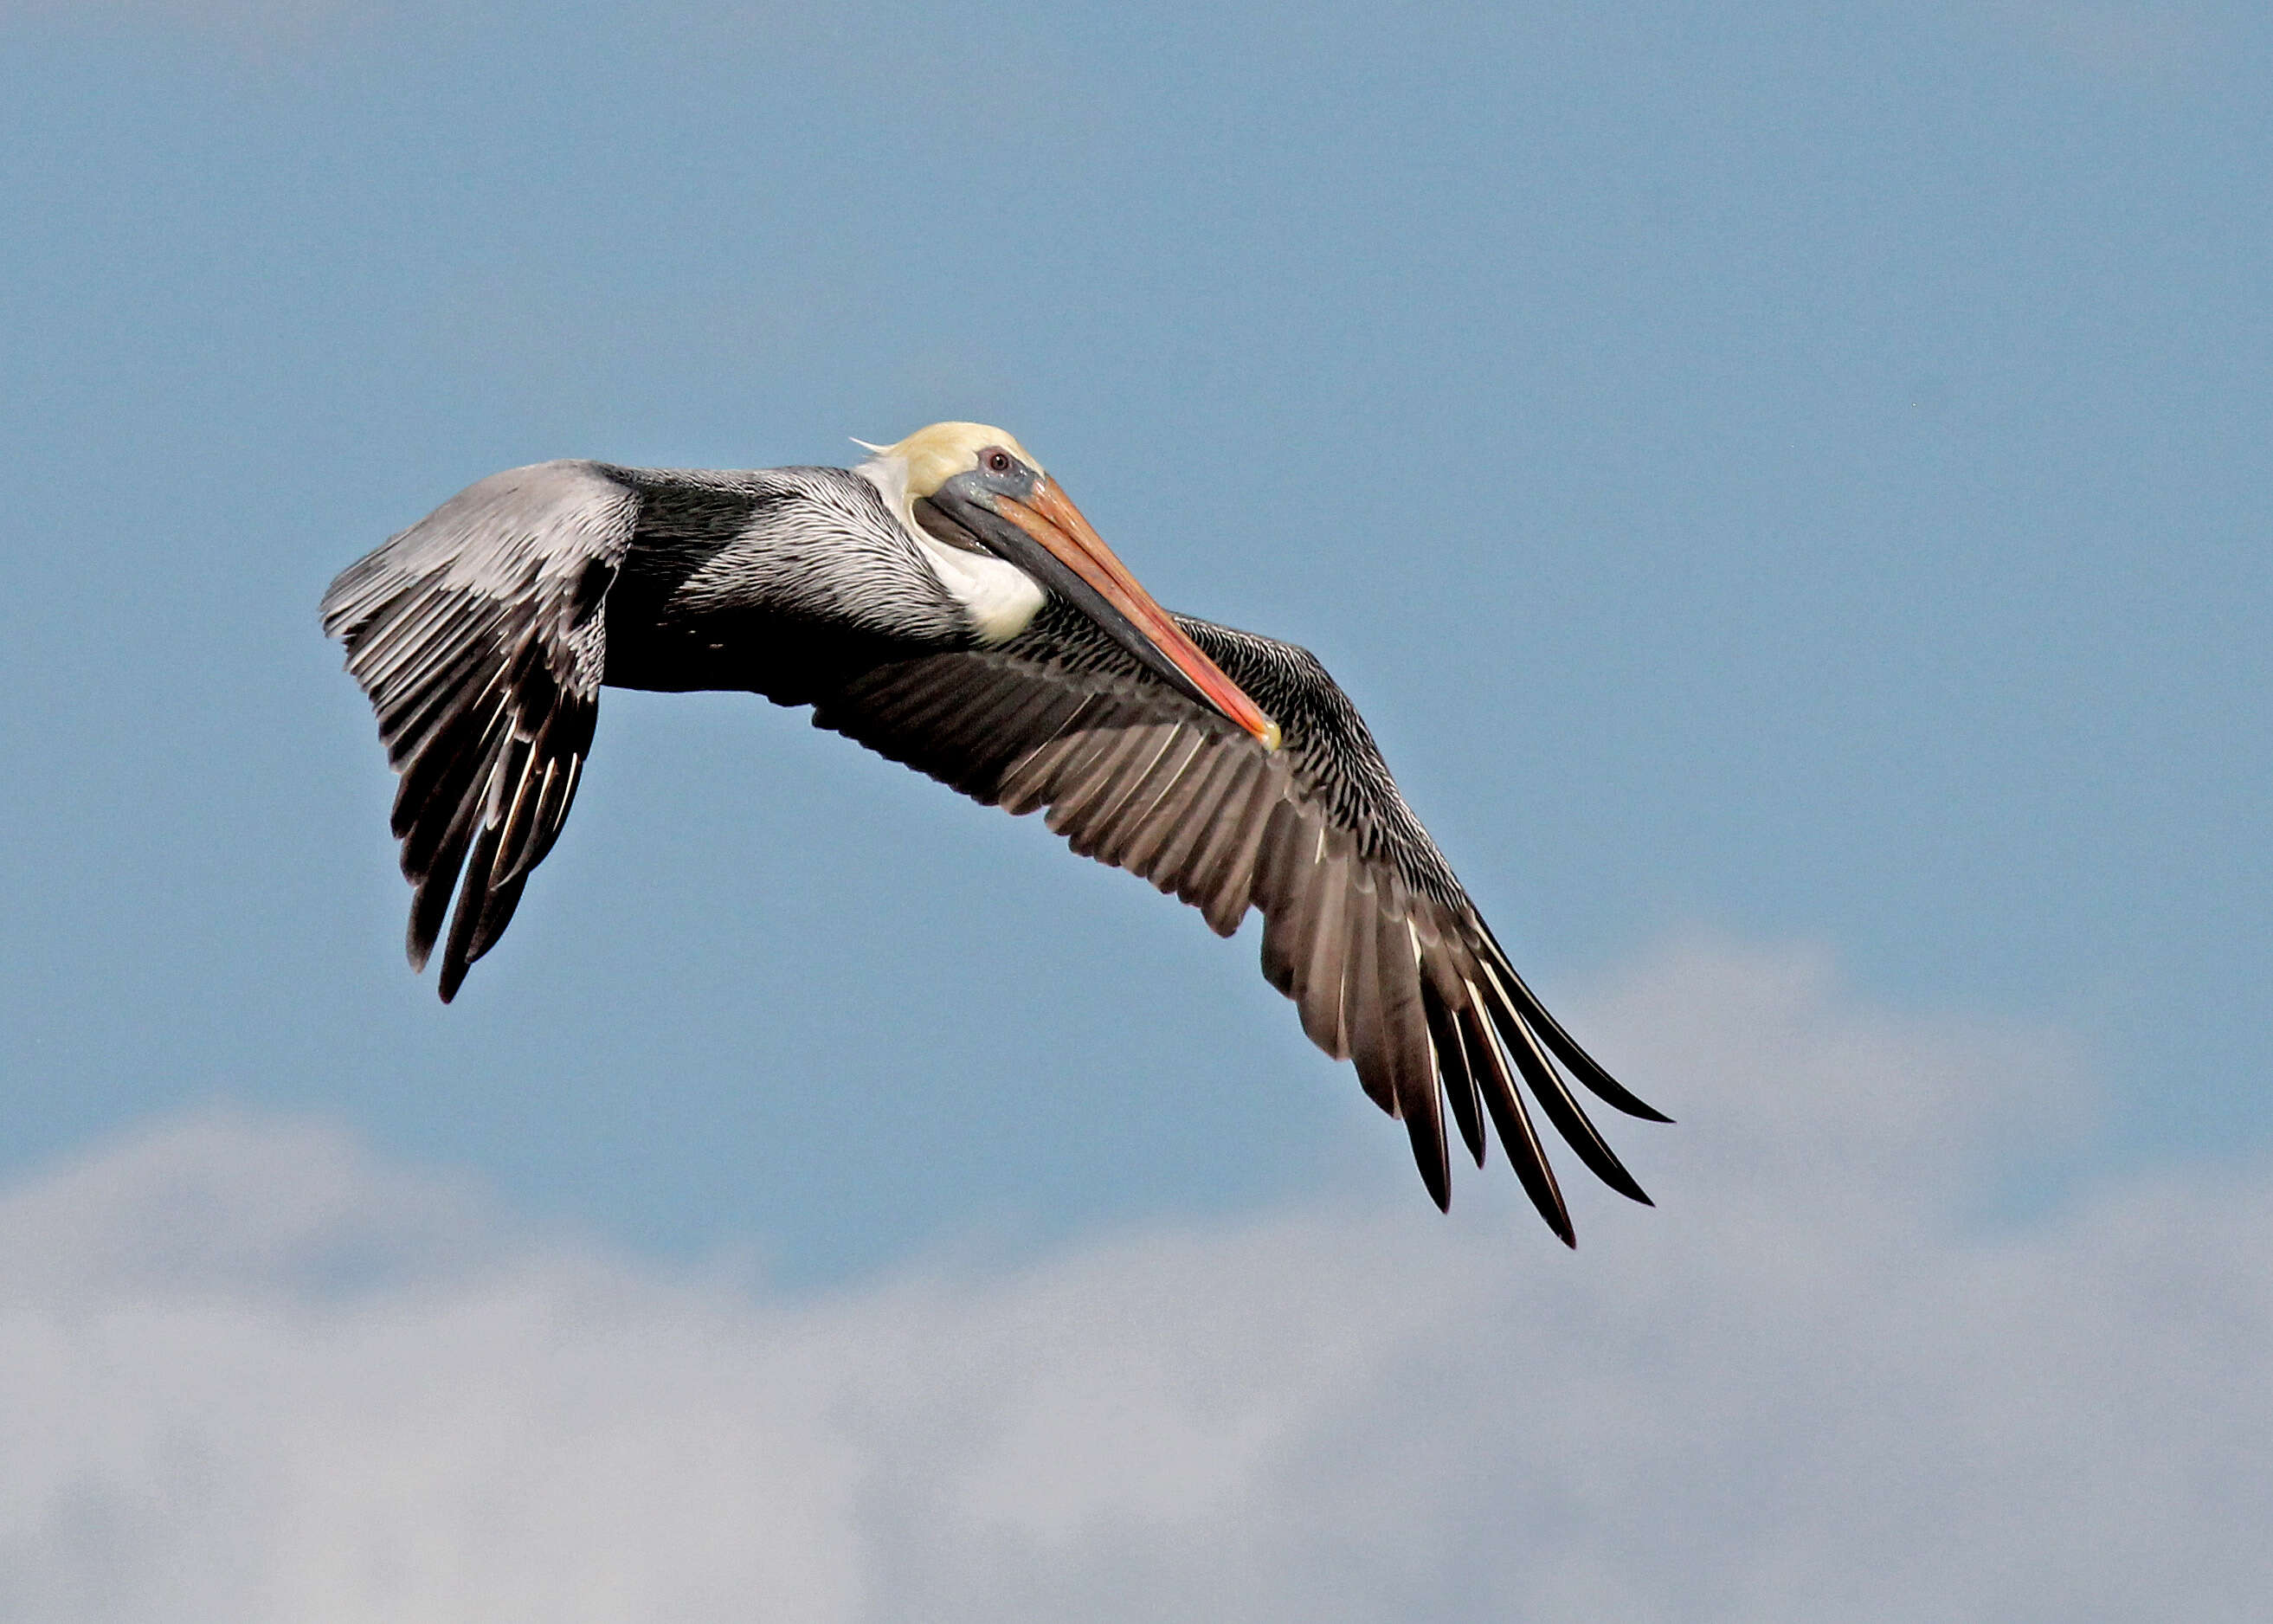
{"x": 516, "y": 818}
{"x": 1450, "y": 1056}
{"x": 1284, "y": 902}
{"x": 536, "y": 818}
{"x": 414, "y": 714}
{"x": 463, "y": 732}
{"x": 497, "y": 910}
{"x": 1353, "y": 1003}
{"x": 1365, "y": 928}
{"x": 431, "y": 885}
{"x": 1338, "y": 957}
{"x": 1583, "y": 1065}
{"x": 1395, "y": 993}
{"x": 473, "y": 887}
{"x": 1554, "y": 1097}
{"x": 458, "y": 789}
{"x": 1516, "y": 1136}
{"x": 551, "y": 811}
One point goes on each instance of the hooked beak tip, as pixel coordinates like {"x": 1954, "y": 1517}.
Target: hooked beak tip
{"x": 1047, "y": 518}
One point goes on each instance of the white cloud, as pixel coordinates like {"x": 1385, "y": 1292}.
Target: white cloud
{"x": 254, "y": 1375}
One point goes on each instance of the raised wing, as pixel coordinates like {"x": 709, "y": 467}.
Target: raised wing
{"x": 477, "y": 634}
{"x": 1365, "y": 927}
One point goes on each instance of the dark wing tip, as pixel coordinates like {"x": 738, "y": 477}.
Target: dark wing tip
{"x": 1516, "y": 1136}
{"x": 1589, "y": 1072}
{"x": 1619, "y": 1179}
{"x": 1599, "y": 1083}
{"x": 1538, "y": 1070}
{"x": 1450, "y": 1052}
{"x": 1559, "y": 1221}
{"x": 1428, "y": 1139}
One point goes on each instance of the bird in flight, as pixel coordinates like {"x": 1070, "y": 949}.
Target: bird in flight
{"x": 945, "y": 605}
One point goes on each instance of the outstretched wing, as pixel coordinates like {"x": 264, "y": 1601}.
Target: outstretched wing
{"x": 1365, "y": 927}
{"x": 477, "y": 634}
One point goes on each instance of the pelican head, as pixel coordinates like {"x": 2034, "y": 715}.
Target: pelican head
{"x": 935, "y": 454}
{"x": 976, "y": 489}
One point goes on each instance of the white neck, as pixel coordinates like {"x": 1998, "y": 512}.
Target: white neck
{"x": 998, "y": 599}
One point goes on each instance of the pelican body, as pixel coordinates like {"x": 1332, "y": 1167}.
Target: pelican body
{"x": 945, "y": 605}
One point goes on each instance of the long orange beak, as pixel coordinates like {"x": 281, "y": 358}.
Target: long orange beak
{"x": 1057, "y": 524}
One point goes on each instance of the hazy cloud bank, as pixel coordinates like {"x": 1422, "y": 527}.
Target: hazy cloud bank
{"x": 253, "y": 1374}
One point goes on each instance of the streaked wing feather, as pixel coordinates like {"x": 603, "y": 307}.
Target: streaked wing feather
{"x": 1413, "y": 1069}
{"x": 1516, "y": 1136}
{"x": 1451, "y": 1056}
{"x": 1365, "y": 927}
{"x": 1555, "y": 1098}
{"x": 1205, "y": 801}
{"x": 477, "y": 635}
{"x": 1583, "y": 1065}
{"x": 1224, "y": 874}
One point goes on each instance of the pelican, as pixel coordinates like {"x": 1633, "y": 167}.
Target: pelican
{"x": 945, "y": 605}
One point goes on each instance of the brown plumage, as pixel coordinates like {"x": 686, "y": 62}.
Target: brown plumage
{"x": 969, "y": 625}
{"x": 1365, "y": 927}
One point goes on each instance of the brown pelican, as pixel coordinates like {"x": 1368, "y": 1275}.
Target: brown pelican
{"x": 945, "y": 605}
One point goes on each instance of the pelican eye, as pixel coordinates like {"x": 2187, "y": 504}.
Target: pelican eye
{"x": 997, "y": 461}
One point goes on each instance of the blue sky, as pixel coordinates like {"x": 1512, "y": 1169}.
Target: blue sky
{"x": 1788, "y": 487}
{"x": 1795, "y": 476}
